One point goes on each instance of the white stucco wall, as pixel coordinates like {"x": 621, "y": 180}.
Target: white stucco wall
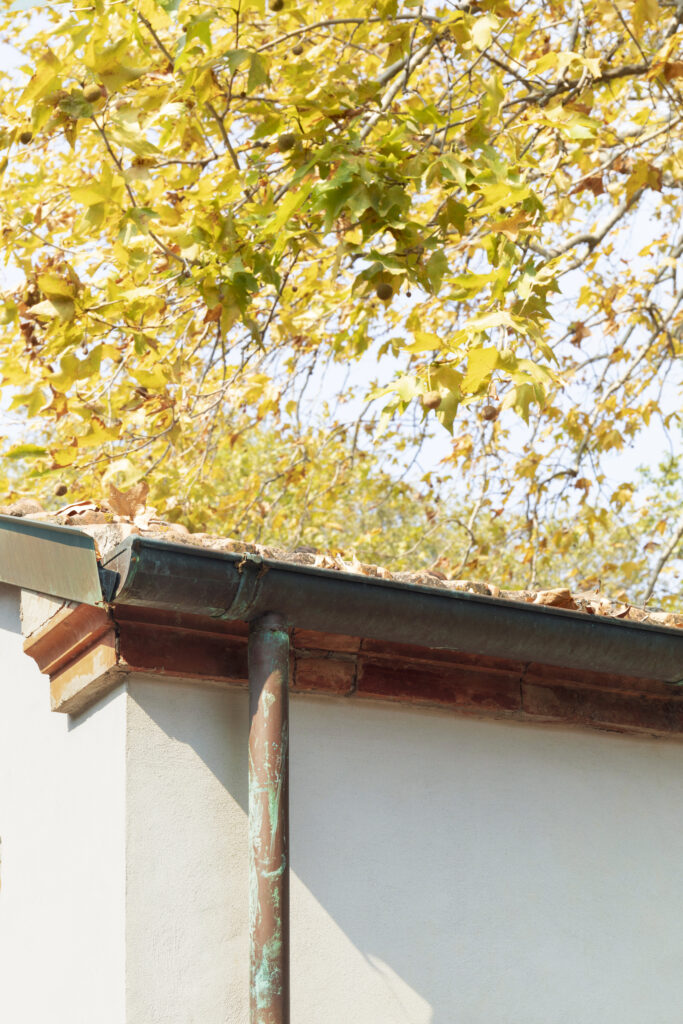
{"x": 187, "y": 948}
{"x": 62, "y": 878}
{"x": 445, "y": 870}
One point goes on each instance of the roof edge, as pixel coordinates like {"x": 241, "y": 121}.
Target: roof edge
{"x": 159, "y": 574}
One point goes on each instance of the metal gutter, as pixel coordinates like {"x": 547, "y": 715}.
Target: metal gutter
{"x": 155, "y": 573}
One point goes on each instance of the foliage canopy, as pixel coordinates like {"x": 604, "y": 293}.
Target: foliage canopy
{"x": 216, "y": 209}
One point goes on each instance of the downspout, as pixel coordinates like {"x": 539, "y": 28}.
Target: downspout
{"x": 269, "y": 820}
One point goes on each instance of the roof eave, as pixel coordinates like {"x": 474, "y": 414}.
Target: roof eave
{"x": 175, "y": 577}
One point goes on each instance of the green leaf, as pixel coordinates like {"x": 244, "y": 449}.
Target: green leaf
{"x": 8, "y": 311}
{"x": 117, "y": 78}
{"x": 56, "y": 307}
{"x": 55, "y": 287}
{"x": 437, "y": 266}
{"x": 26, "y": 451}
{"x": 448, "y": 410}
{"x": 199, "y": 28}
{"x": 76, "y": 105}
{"x": 258, "y": 73}
{"x": 235, "y": 58}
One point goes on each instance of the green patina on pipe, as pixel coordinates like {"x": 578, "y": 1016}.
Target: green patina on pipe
{"x": 269, "y": 820}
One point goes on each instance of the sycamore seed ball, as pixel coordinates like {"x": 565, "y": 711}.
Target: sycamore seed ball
{"x": 297, "y": 50}
{"x": 431, "y": 400}
{"x": 60, "y": 490}
{"x": 286, "y": 141}
{"x": 489, "y": 412}
{"x": 93, "y": 92}
{"x": 25, "y": 137}
{"x": 276, "y": 5}
{"x": 384, "y": 291}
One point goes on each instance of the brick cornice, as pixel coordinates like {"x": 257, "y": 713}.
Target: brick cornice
{"x": 88, "y": 651}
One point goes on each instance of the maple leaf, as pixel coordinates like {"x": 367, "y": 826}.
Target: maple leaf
{"x": 128, "y": 503}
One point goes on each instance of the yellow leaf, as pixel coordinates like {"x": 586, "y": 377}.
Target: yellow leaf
{"x": 98, "y": 434}
{"x": 154, "y": 380}
{"x": 57, "y": 307}
{"x": 54, "y": 286}
{"x": 486, "y": 321}
{"x": 424, "y": 342}
{"x": 65, "y": 456}
{"x": 121, "y": 76}
{"x": 45, "y": 79}
{"x": 482, "y": 31}
{"x": 644, "y": 12}
{"x": 126, "y": 131}
{"x": 89, "y": 195}
{"x": 287, "y": 206}
{"x": 480, "y": 364}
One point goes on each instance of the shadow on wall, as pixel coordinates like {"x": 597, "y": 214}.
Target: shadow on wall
{"x": 10, "y": 621}
{"x": 465, "y": 872}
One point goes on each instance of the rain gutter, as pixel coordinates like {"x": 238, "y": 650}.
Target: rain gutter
{"x": 174, "y": 577}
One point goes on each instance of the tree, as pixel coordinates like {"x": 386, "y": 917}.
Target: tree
{"x": 214, "y": 207}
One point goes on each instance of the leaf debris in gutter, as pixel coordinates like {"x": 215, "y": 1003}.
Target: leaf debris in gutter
{"x": 124, "y": 513}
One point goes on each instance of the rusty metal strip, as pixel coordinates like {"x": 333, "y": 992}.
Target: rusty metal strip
{"x": 269, "y": 820}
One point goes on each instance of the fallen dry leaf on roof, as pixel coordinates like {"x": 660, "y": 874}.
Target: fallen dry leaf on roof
{"x": 469, "y": 587}
{"x": 82, "y": 513}
{"x": 109, "y": 523}
{"x": 130, "y": 502}
{"x": 560, "y": 597}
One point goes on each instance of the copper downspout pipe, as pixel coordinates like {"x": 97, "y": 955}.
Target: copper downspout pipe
{"x": 269, "y": 820}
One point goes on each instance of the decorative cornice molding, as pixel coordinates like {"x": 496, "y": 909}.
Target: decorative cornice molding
{"x": 88, "y": 651}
